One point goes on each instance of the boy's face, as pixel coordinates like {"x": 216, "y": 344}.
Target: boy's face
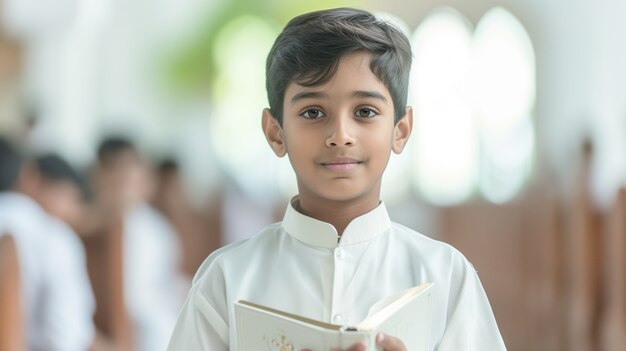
{"x": 339, "y": 135}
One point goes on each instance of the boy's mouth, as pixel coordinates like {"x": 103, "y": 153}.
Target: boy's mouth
{"x": 343, "y": 164}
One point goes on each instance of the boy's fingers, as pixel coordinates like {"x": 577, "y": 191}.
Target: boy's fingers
{"x": 389, "y": 343}
{"x": 355, "y": 347}
{"x": 359, "y": 346}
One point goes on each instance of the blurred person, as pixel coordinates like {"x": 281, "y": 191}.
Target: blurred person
{"x": 199, "y": 228}
{"x": 153, "y": 279}
{"x": 61, "y": 191}
{"x": 62, "y": 194}
{"x": 57, "y": 301}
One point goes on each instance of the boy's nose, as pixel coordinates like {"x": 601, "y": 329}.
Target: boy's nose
{"x": 340, "y": 133}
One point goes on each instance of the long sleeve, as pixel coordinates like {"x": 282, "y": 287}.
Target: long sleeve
{"x": 471, "y": 325}
{"x": 203, "y": 321}
{"x": 199, "y": 326}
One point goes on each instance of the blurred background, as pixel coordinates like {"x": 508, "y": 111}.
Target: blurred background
{"x": 517, "y": 158}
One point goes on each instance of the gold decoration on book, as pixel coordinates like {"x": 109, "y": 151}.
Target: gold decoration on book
{"x": 282, "y": 344}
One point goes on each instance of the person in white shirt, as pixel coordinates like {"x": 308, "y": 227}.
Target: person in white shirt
{"x": 337, "y": 88}
{"x": 58, "y": 303}
{"x": 154, "y": 282}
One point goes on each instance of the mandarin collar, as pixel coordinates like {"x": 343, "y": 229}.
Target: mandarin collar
{"x": 317, "y": 233}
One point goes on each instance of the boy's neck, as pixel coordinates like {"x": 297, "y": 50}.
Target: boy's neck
{"x": 337, "y": 213}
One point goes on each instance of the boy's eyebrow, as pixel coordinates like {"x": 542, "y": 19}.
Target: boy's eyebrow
{"x": 317, "y": 94}
{"x": 369, "y": 94}
{"x": 308, "y": 95}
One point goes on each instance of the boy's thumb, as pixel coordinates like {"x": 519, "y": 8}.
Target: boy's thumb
{"x": 389, "y": 342}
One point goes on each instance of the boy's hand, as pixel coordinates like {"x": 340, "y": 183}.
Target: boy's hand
{"x": 388, "y": 343}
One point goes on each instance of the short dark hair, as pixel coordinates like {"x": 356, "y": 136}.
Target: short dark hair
{"x": 54, "y": 168}
{"x": 113, "y": 146}
{"x": 309, "y": 48}
{"x": 10, "y": 165}
{"x": 168, "y": 165}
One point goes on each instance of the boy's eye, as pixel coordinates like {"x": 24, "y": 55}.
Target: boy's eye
{"x": 312, "y": 113}
{"x": 365, "y": 113}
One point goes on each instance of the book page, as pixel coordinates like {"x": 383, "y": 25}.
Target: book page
{"x": 292, "y": 316}
{"x": 384, "y": 308}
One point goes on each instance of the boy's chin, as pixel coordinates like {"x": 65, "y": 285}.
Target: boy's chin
{"x": 342, "y": 195}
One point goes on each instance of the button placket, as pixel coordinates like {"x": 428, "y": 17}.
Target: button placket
{"x": 338, "y": 318}
{"x": 339, "y": 253}
{"x": 337, "y": 315}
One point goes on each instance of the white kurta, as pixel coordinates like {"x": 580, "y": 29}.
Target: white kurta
{"x": 300, "y": 266}
{"x": 155, "y": 286}
{"x": 57, "y": 296}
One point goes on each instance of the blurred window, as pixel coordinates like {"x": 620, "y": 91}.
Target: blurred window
{"x": 446, "y": 155}
{"x": 473, "y": 97}
{"x": 239, "y": 92}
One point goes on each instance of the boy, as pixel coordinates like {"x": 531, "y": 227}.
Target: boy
{"x": 337, "y": 87}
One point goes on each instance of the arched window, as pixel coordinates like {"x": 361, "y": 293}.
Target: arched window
{"x": 446, "y": 145}
{"x": 473, "y": 95}
{"x": 504, "y": 81}
{"x": 240, "y": 97}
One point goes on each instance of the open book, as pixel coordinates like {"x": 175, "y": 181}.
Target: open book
{"x": 405, "y": 315}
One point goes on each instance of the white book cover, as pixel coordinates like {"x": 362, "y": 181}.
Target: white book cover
{"x": 405, "y": 315}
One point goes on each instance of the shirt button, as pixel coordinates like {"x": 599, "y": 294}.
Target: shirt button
{"x": 339, "y": 254}
{"x": 338, "y": 318}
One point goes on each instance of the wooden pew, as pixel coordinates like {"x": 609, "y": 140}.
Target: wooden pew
{"x": 581, "y": 267}
{"x": 553, "y": 264}
{"x": 612, "y": 324}
{"x": 543, "y": 268}
{"x": 11, "y": 324}
{"x": 538, "y": 259}
{"x": 491, "y": 237}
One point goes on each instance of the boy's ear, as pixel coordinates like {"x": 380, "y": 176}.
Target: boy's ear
{"x": 273, "y": 133}
{"x": 402, "y": 131}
